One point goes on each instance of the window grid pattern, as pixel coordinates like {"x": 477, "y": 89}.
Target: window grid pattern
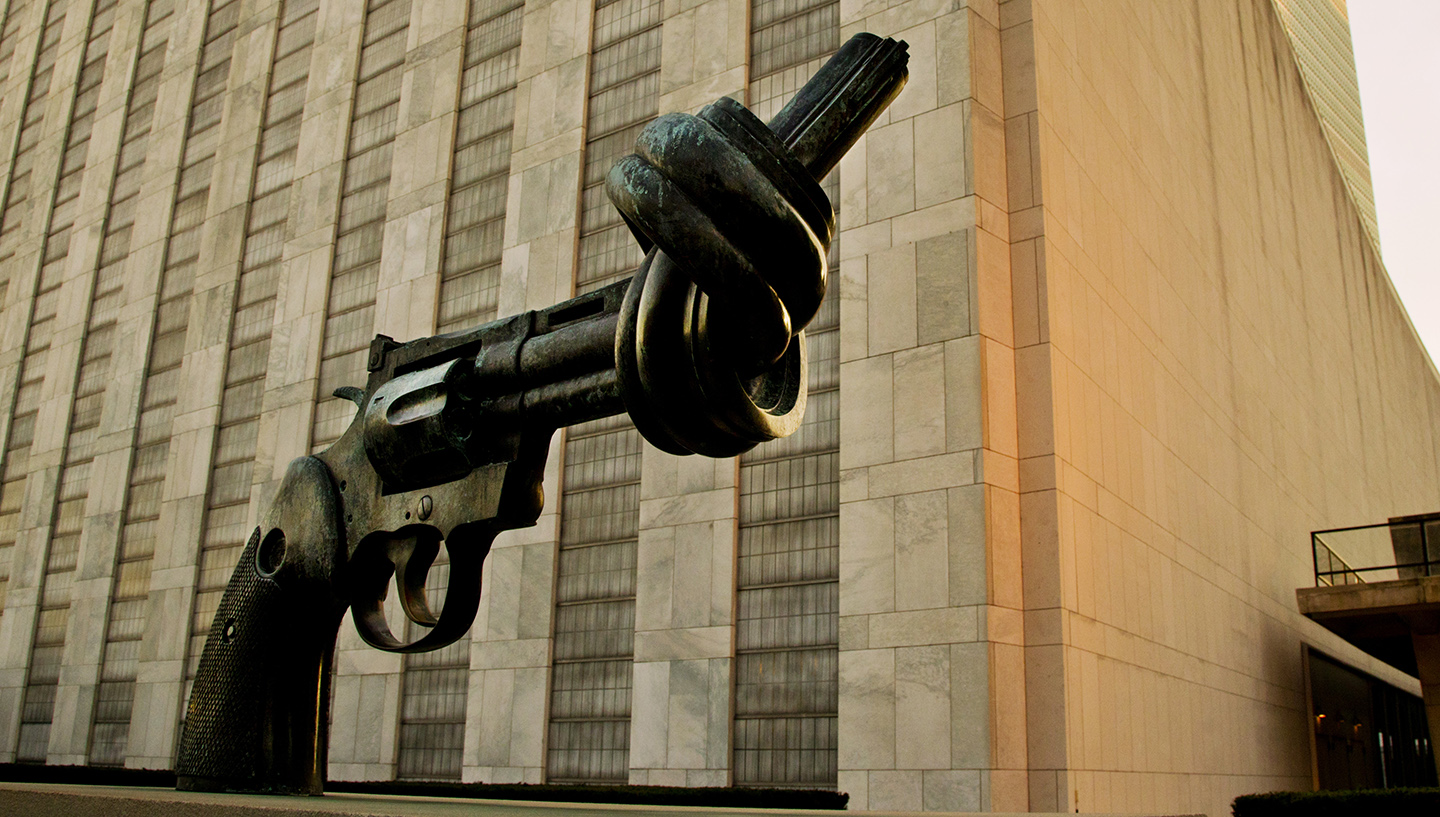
{"x": 126, "y": 624}
{"x": 624, "y": 96}
{"x": 68, "y": 512}
{"x": 432, "y": 712}
{"x": 227, "y": 499}
{"x": 432, "y": 703}
{"x": 480, "y": 175}
{"x": 788, "y": 34}
{"x": 589, "y": 736}
{"x": 787, "y": 574}
{"x": 9, "y": 34}
{"x": 350, "y": 313}
{"x": 37, "y": 343}
{"x": 177, "y": 281}
{"x": 32, "y": 123}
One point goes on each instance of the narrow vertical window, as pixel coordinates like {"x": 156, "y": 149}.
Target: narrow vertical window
{"x": 350, "y": 312}
{"x": 595, "y": 615}
{"x": 172, "y": 316}
{"x": 228, "y": 497}
{"x": 37, "y": 344}
{"x": 589, "y": 738}
{"x": 480, "y": 175}
{"x": 786, "y": 636}
{"x": 434, "y": 684}
{"x": 32, "y": 121}
{"x": 432, "y": 704}
{"x": 126, "y": 624}
{"x": 68, "y": 512}
{"x": 9, "y": 35}
{"x": 116, "y": 694}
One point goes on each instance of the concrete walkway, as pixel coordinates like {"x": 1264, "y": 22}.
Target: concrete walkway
{"x": 52, "y": 800}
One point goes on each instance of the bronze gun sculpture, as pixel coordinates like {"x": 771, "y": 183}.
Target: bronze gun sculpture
{"x": 703, "y": 348}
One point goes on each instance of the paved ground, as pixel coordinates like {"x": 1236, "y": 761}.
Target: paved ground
{"x": 51, "y": 800}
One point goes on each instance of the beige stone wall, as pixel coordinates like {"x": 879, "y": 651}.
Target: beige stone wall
{"x": 1211, "y": 364}
{"x": 929, "y": 584}
{"x": 368, "y": 682}
{"x": 508, "y": 700}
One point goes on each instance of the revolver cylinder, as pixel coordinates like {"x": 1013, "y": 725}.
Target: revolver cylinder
{"x": 417, "y": 425}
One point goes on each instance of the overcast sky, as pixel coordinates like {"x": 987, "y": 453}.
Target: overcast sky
{"x": 1397, "y": 55}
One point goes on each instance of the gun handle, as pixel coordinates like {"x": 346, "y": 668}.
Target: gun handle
{"x": 257, "y": 719}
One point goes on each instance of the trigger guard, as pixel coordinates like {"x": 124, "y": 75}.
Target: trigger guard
{"x": 462, "y": 600}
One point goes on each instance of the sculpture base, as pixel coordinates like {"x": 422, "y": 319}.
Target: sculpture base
{"x": 57, "y": 800}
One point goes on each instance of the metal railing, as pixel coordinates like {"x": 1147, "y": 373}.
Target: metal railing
{"x": 1413, "y": 540}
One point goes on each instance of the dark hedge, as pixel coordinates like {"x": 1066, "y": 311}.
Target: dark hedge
{"x": 1387, "y": 802}
{"x": 86, "y": 775}
{"x": 628, "y": 795}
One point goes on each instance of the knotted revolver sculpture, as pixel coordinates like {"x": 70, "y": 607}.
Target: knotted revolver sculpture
{"x": 703, "y": 347}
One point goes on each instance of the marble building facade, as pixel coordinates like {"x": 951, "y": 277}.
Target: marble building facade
{"x": 1108, "y": 335}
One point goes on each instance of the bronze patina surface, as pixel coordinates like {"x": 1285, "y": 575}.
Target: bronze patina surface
{"x": 703, "y": 348}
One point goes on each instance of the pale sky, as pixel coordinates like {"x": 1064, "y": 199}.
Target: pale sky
{"x": 1397, "y": 56}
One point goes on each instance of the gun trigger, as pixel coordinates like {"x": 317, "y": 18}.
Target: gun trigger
{"x": 417, "y": 609}
{"x": 412, "y": 565}
{"x": 354, "y": 395}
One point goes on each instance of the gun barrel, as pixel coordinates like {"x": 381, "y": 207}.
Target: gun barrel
{"x": 567, "y": 368}
{"x": 576, "y": 399}
{"x": 574, "y": 350}
{"x": 830, "y": 112}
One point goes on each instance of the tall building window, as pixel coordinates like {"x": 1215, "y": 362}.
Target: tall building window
{"x": 432, "y": 702}
{"x": 595, "y": 619}
{"x": 9, "y": 35}
{"x": 177, "y": 283}
{"x": 786, "y": 636}
{"x": 107, "y": 296}
{"x": 32, "y": 367}
{"x": 350, "y": 313}
{"x": 432, "y": 708}
{"x": 480, "y": 175}
{"x": 68, "y": 512}
{"x": 32, "y": 122}
{"x": 225, "y": 531}
{"x": 589, "y": 736}
{"x": 126, "y": 625}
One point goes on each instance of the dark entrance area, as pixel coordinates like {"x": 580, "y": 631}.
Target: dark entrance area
{"x": 1368, "y": 734}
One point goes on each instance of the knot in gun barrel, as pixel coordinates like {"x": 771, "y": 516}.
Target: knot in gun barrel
{"x": 710, "y": 352}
